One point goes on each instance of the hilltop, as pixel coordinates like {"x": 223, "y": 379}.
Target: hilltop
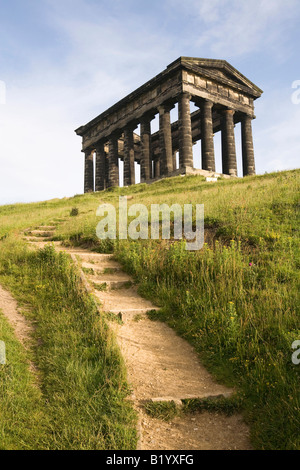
{"x": 236, "y": 300}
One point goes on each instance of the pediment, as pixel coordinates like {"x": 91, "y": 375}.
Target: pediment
{"x": 220, "y": 69}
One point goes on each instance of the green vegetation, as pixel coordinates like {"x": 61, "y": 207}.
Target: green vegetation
{"x": 168, "y": 410}
{"x": 78, "y": 400}
{"x": 22, "y": 422}
{"x": 74, "y": 212}
{"x": 236, "y": 300}
{"x": 164, "y": 410}
{"x": 226, "y": 405}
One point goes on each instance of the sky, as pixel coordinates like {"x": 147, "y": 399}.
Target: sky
{"x": 63, "y": 62}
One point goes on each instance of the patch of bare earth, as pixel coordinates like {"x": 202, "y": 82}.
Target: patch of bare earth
{"x": 9, "y": 307}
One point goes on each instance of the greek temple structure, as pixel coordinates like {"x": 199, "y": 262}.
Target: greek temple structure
{"x": 224, "y": 97}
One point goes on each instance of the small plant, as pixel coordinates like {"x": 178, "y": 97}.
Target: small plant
{"x": 221, "y": 404}
{"x": 88, "y": 271}
{"x": 126, "y": 285}
{"x": 115, "y": 317}
{"x": 164, "y": 410}
{"x": 138, "y": 318}
{"x": 100, "y": 287}
{"x": 110, "y": 270}
{"x": 74, "y": 212}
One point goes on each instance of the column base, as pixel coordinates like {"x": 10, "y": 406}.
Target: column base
{"x": 190, "y": 171}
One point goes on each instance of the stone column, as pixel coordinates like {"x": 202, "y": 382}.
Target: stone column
{"x": 228, "y": 143}
{"x": 185, "y": 131}
{"x": 146, "y": 170}
{"x": 113, "y": 157}
{"x": 207, "y": 136}
{"x": 100, "y": 168}
{"x": 106, "y": 170}
{"x": 165, "y": 137}
{"x": 247, "y": 146}
{"x": 89, "y": 172}
{"x": 156, "y": 168}
{"x": 129, "y": 173}
{"x": 174, "y": 160}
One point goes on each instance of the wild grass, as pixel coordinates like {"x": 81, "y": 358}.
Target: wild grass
{"x": 166, "y": 411}
{"x": 80, "y": 403}
{"x": 22, "y": 420}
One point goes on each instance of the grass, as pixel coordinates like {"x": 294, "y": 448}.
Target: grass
{"x": 236, "y": 300}
{"x": 22, "y": 420}
{"x": 168, "y": 410}
{"x": 80, "y": 401}
{"x": 225, "y": 405}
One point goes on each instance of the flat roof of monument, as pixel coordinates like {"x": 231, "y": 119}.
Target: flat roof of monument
{"x": 214, "y": 69}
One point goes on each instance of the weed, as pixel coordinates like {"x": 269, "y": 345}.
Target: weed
{"x": 74, "y": 212}
{"x": 163, "y": 410}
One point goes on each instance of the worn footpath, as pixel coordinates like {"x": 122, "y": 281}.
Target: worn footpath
{"x": 161, "y": 366}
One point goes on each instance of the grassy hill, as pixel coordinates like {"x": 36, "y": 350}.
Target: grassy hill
{"x": 236, "y": 300}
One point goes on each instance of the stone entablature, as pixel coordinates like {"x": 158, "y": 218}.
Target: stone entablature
{"x": 224, "y": 96}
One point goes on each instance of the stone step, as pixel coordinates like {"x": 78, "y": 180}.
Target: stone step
{"x": 120, "y": 276}
{"x": 85, "y": 254}
{"x": 100, "y": 268}
{"x": 123, "y": 300}
{"x": 47, "y": 227}
{"x": 129, "y": 314}
{"x": 210, "y": 396}
{"x": 31, "y": 239}
{"x": 111, "y": 284}
{"x": 41, "y": 233}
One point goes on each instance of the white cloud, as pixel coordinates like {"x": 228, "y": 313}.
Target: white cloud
{"x": 233, "y": 27}
{"x": 276, "y": 132}
{"x": 40, "y": 153}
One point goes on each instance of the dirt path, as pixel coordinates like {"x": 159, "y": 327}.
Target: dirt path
{"x": 9, "y": 307}
{"x": 161, "y": 366}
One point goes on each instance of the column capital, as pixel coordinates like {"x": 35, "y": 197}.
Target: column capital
{"x": 207, "y": 102}
{"x": 186, "y": 95}
{"x": 147, "y": 117}
{"x": 131, "y": 126}
{"x": 99, "y": 146}
{"x": 228, "y": 111}
{"x": 246, "y": 117}
{"x": 165, "y": 107}
{"x": 88, "y": 151}
{"x": 116, "y": 134}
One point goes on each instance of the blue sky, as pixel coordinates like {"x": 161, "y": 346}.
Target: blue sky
{"x": 65, "y": 61}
